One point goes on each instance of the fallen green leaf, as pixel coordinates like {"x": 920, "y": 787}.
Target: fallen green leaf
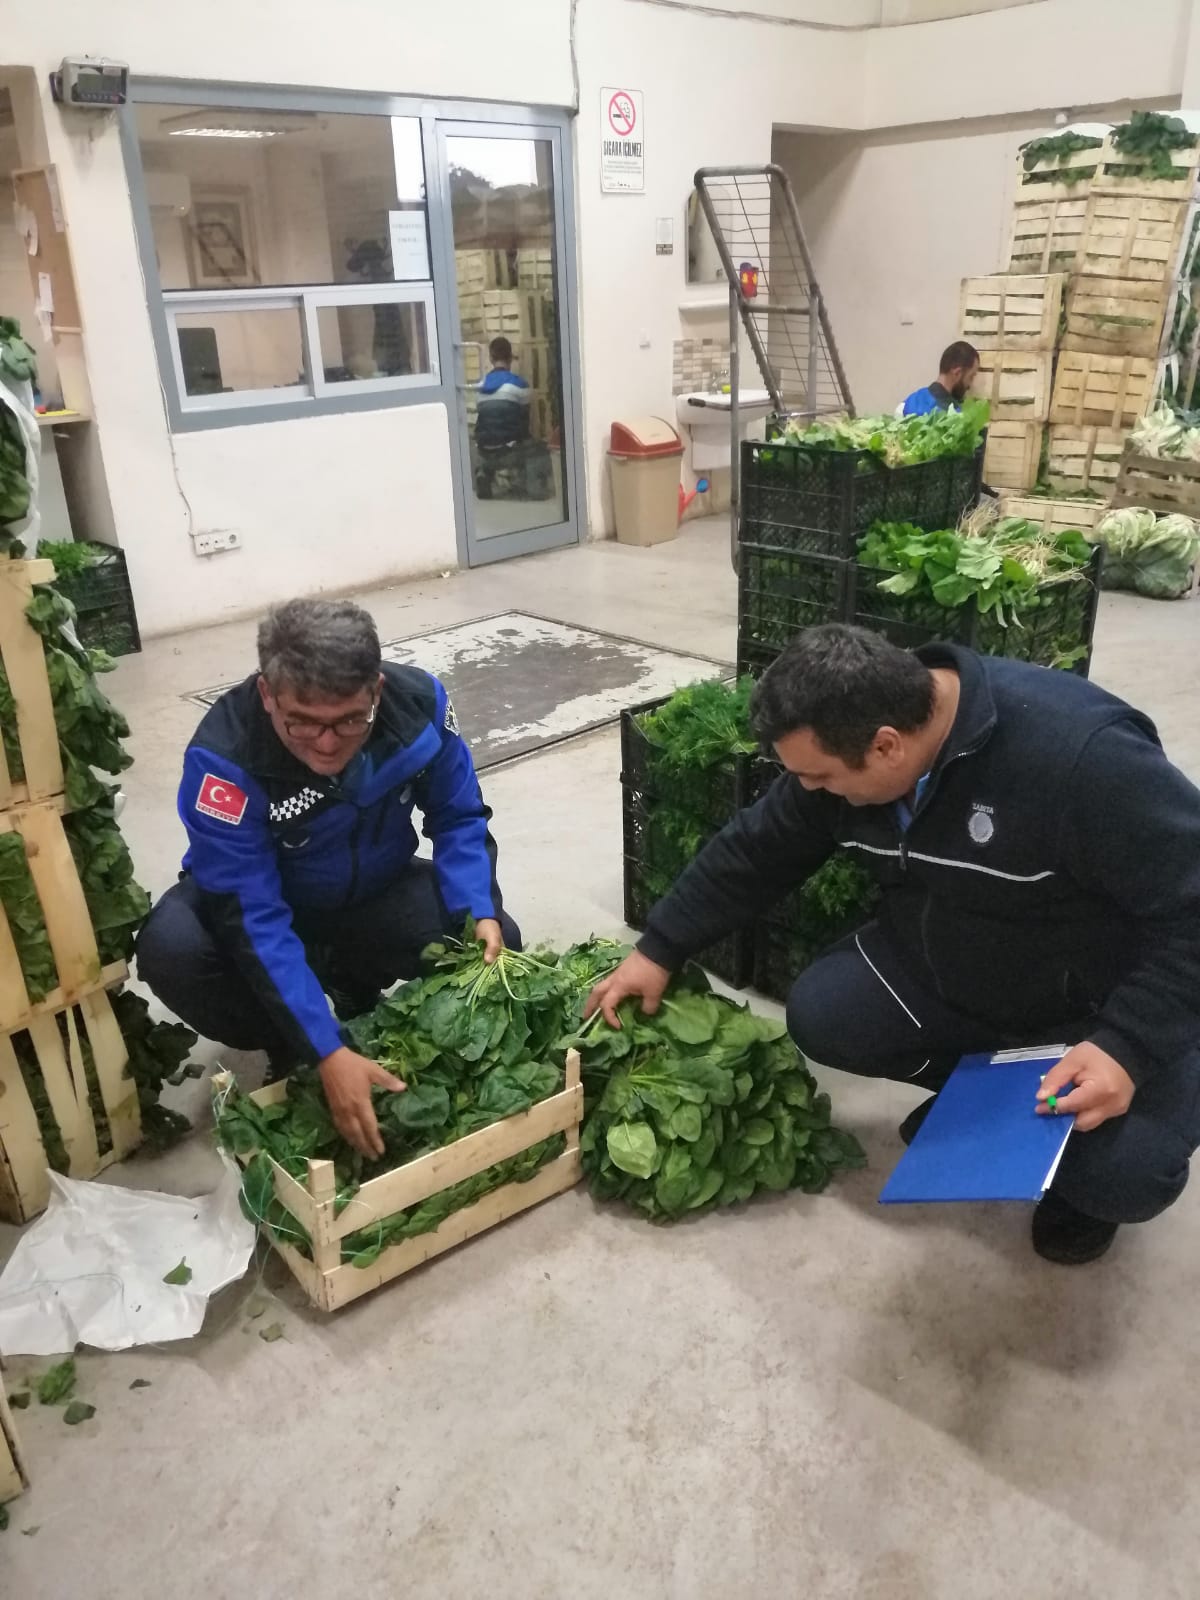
{"x": 256, "y": 1305}
{"x": 78, "y": 1411}
{"x": 55, "y": 1385}
{"x": 140, "y": 1383}
{"x": 271, "y": 1332}
{"x": 3, "y": 1518}
{"x": 31, "y": 1529}
{"x": 180, "y": 1274}
{"x": 20, "y": 1400}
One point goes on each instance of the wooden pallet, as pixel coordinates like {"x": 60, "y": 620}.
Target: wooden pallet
{"x": 1120, "y": 316}
{"x": 1042, "y": 181}
{"x": 1046, "y": 234}
{"x": 1117, "y": 174}
{"x": 330, "y": 1283}
{"x": 1054, "y": 515}
{"x": 1014, "y": 311}
{"x": 1161, "y": 486}
{"x": 1013, "y": 454}
{"x": 13, "y": 1477}
{"x": 1133, "y": 236}
{"x": 1015, "y": 383}
{"x": 1084, "y": 460}
{"x": 24, "y": 1170}
{"x": 1102, "y": 391}
{"x": 65, "y": 913}
{"x": 25, "y": 666}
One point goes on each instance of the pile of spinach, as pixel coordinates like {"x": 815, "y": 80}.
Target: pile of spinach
{"x": 117, "y": 904}
{"x": 702, "y": 1105}
{"x": 17, "y": 362}
{"x": 1152, "y": 138}
{"x": 158, "y": 1054}
{"x": 1058, "y": 148}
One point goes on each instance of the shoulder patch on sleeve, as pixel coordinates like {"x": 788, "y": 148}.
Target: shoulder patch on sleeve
{"x": 221, "y": 799}
{"x": 451, "y": 719}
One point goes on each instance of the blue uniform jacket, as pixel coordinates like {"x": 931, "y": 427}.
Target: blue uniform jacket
{"x": 266, "y": 834}
{"x": 933, "y": 397}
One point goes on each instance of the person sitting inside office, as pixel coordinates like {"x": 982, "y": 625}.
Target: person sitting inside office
{"x": 956, "y": 374}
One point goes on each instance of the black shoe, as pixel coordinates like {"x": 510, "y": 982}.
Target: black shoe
{"x": 1066, "y": 1236}
{"x": 351, "y": 1003}
{"x": 912, "y": 1122}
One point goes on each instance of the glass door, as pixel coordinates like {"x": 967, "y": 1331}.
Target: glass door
{"x": 503, "y": 200}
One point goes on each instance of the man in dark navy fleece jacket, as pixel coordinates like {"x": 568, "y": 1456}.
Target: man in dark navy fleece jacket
{"x": 1039, "y": 860}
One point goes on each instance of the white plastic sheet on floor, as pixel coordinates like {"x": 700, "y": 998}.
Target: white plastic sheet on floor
{"x": 90, "y": 1270}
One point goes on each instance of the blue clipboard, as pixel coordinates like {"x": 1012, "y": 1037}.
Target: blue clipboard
{"x": 983, "y": 1139}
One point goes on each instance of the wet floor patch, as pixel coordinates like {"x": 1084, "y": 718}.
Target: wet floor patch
{"x": 520, "y": 682}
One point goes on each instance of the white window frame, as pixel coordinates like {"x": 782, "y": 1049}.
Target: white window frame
{"x": 304, "y": 300}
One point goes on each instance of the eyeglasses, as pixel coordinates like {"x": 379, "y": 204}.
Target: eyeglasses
{"x": 307, "y": 730}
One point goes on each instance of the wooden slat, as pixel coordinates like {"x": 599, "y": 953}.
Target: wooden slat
{"x": 1161, "y": 486}
{"x": 415, "y": 1181}
{"x": 114, "y": 973}
{"x": 25, "y": 664}
{"x": 118, "y": 1091}
{"x": 62, "y": 1090}
{"x": 60, "y": 892}
{"x": 1119, "y": 316}
{"x": 1102, "y": 391}
{"x": 1113, "y": 174}
{"x": 326, "y": 1239}
{"x": 1046, "y": 234}
{"x": 347, "y": 1283}
{"x": 20, "y": 1139}
{"x": 1054, "y": 515}
{"x": 1080, "y": 459}
{"x": 1015, "y": 383}
{"x": 1013, "y": 454}
{"x": 13, "y": 1476}
{"x": 1043, "y": 179}
{"x": 1128, "y": 236}
{"x": 1011, "y": 311}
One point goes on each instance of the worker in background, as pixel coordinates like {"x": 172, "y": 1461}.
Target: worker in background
{"x": 503, "y": 415}
{"x": 956, "y": 374}
{"x": 300, "y": 877}
{"x": 1039, "y": 861}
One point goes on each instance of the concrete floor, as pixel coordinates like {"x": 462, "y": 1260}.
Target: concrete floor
{"x": 807, "y": 1397}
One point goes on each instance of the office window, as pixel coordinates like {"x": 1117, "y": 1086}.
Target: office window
{"x": 292, "y": 251}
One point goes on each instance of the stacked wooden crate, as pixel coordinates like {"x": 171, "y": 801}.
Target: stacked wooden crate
{"x": 1013, "y": 321}
{"x": 66, "y": 1044}
{"x": 510, "y": 294}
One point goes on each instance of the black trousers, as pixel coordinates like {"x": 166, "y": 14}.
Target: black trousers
{"x": 844, "y": 1014}
{"x": 359, "y": 950}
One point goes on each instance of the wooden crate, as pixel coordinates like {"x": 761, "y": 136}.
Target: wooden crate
{"x": 1015, "y": 383}
{"x": 1161, "y": 486}
{"x": 1013, "y": 454}
{"x": 1102, "y": 391}
{"x": 1054, "y": 515}
{"x": 516, "y": 314}
{"x": 329, "y": 1282}
{"x": 1046, "y": 234}
{"x": 1080, "y": 460}
{"x": 1018, "y": 311}
{"x": 25, "y": 666}
{"x": 477, "y": 270}
{"x": 13, "y": 1477}
{"x": 65, "y": 913}
{"x": 1120, "y": 316}
{"x": 541, "y": 416}
{"x": 1132, "y": 236}
{"x": 1046, "y": 179}
{"x": 24, "y": 1170}
{"x": 1116, "y": 174}
{"x": 535, "y": 268}
{"x": 533, "y": 359}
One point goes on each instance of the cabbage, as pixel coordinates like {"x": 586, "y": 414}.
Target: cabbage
{"x": 1153, "y": 556}
{"x": 1122, "y": 532}
{"x": 1160, "y": 434}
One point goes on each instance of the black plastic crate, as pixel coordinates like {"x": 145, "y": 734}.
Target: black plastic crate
{"x": 654, "y": 856}
{"x": 823, "y": 501}
{"x": 710, "y": 795}
{"x": 795, "y": 932}
{"x": 782, "y": 592}
{"x": 103, "y": 601}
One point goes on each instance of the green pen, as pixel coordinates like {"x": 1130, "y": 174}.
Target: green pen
{"x": 1051, "y": 1099}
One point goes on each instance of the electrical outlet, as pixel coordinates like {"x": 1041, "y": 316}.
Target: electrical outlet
{"x": 214, "y": 540}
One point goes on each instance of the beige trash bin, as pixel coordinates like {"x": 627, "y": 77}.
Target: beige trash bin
{"x": 643, "y": 457}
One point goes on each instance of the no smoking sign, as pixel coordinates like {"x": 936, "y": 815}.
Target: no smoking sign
{"x": 622, "y": 151}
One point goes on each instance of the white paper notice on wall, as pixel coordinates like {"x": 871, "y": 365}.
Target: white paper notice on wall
{"x": 410, "y": 245}
{"x": 43, "y": 308}
{"x": 622, "y": 150}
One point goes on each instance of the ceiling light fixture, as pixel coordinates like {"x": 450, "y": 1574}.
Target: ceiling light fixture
{"x": 226, "y": 133}
{"x": 231, "y": 123}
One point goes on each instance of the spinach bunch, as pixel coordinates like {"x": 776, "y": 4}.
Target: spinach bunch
{"x": 17, "y": 364}
{"x": 116, "y": 903}
{"x": 90, "y": 728}
{"x": 23, "y": 912}
{"x": 701, "y": 1105}
{"x": 1152, "y": 137}
{"x": 158, "y": 1054}
{"x": 1058, "y": 148}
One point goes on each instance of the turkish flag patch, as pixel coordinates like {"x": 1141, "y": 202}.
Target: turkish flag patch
{"x": 221, "y": 799}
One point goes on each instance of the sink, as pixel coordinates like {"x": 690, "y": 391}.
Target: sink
{"x": 703, "y": 415}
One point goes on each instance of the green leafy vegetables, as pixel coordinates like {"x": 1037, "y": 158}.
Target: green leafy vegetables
{"x": 1154, "y": 556}
{"x": 23, "y": 912}
{"x": 1058, "y": 148}
{"x": 18, "y": 365}
{"x": 897, "y": 441}
{"x": 116, "y": 903}
{"x": 1152, "y": 139}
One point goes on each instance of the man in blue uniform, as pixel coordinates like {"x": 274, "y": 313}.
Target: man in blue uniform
{"x": 956, "y": 374}
{"x": 1039, "y": 860}
{"x": 300, "y": 876}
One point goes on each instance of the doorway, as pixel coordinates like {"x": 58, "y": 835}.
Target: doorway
{"x": 504, "y": 211}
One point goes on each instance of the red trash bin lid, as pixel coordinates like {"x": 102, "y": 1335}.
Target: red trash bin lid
{"x": 644, "y": 437}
